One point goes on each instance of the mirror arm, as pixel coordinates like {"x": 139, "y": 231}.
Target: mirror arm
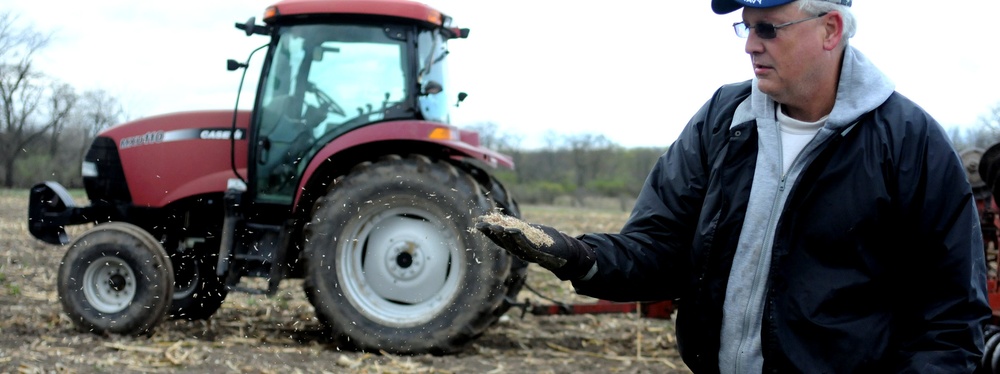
{"x": 250, "y": 27}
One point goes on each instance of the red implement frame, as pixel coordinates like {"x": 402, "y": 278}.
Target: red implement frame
{"x": 990, "y": 222}
{"x": 659, "y": 309}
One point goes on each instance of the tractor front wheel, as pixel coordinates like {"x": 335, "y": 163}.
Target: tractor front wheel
{"x": 198, "y": 291}
{"x": 392, "y": 264}
{"x": 116, "y": 278}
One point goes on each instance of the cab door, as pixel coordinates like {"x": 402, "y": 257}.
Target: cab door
{"x": 323, "y": 81}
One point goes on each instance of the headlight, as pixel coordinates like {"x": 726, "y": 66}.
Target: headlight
{"x": 88, "y": 169}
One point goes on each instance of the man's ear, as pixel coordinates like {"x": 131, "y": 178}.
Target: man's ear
{"x": 834, "y": 28}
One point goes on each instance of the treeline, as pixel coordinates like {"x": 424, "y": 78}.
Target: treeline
{"x": 981, "y": 137}
{"x": 45, "y": 125}
{"x": 48, "y": 143}
{"x": 571, "y": 169}
{"x": 566, "y": 175}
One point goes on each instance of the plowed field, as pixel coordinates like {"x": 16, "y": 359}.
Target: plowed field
{"x": 279, "y": 334}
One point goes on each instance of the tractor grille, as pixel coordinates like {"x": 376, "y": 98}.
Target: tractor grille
{"x": 109, "y": 185}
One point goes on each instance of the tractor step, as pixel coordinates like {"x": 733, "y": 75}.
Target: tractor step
{"x": 257, "y": 252}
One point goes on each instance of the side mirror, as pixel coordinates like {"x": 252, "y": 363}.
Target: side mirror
{"x": 461, "y": 98}
{"x": 251, "y": 27}
{"x": 458, "y": 33}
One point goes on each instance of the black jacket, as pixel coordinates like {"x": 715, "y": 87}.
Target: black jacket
{"x": 878, "y": 263}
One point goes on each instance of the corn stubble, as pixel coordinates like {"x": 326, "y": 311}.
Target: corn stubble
{"x": 535, "y": 235}
{"x": 279, "y": 334}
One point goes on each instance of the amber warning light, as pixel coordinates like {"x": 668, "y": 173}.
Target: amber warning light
{"x": 442, "y": 133}
{"x": 270, "y": 13}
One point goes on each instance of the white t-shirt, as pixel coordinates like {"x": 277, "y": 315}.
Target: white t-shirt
{"x": 795, "y": 135}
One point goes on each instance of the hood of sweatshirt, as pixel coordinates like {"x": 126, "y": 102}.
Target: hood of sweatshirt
{"x": 862, "y": 88}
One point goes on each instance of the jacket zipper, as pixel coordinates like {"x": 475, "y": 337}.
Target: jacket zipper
{"x": 757, "y": 288}
{"x": 769, "y": 236}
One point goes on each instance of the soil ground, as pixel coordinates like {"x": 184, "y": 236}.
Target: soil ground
{"x": 279, "y": 334}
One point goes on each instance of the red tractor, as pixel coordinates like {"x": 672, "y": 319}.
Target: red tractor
{"x": 346, "y": 174}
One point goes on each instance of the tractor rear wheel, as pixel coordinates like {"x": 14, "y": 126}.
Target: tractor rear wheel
{"x": 392, "y": 264}
{"x": 518, "y": 268}
{"x": 116, "y": 278}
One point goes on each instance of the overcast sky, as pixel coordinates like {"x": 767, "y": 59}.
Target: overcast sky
{"x": 632, "y": 70}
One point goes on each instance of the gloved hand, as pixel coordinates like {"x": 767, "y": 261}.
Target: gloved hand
{"x": 566, "y": 257}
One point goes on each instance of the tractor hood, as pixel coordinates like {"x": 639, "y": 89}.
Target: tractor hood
{"x": 171, "y": 156}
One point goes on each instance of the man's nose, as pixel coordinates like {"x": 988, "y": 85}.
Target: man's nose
{"x": 754, "y": 44}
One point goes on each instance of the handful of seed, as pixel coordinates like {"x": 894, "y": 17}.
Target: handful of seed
{"x": 536, "y": 236}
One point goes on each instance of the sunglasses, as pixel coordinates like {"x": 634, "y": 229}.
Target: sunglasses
{"x": 767, "y": 30}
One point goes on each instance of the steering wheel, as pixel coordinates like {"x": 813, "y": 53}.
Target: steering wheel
{"x": 325, "y": 101}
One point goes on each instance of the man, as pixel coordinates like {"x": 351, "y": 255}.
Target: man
{"x": 811, "y": 219}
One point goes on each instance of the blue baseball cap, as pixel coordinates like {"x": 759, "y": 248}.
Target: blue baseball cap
{"x": 727, "y": 6}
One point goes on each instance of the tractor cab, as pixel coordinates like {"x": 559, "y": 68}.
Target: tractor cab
{"x": 333, "y": 67}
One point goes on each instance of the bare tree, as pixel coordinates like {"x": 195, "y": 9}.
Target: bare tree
{"x": 550, "y": 165}
{"x": 489, "y": 133}
{"x": 590, "y": 153}
{"x": 985, "y": 134}
{"x": 98, "y": 110}
{"x": 990, "y": 125}
{"x": 491, "y": 136}
{"x": 62, "y": 102}
{"x": 21, "y": 92}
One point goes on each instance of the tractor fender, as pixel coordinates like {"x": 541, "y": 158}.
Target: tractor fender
{"x": 458, "y": 143}
{"x": 50, "y": 209}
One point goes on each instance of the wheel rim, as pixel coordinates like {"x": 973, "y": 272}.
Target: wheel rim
{"x": 400, "y": 267}
{"x": 109, "y": 284}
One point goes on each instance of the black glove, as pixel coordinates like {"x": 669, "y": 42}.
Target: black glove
{"x": 566, "y": 257}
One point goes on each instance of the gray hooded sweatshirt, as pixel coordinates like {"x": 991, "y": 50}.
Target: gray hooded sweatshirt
{"x": 862, "y": 88}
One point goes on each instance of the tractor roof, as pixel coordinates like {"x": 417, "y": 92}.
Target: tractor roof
{"x": 392, "y": 8}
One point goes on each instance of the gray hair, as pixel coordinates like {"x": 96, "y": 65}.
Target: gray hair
{"x": 815, "y": 7}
